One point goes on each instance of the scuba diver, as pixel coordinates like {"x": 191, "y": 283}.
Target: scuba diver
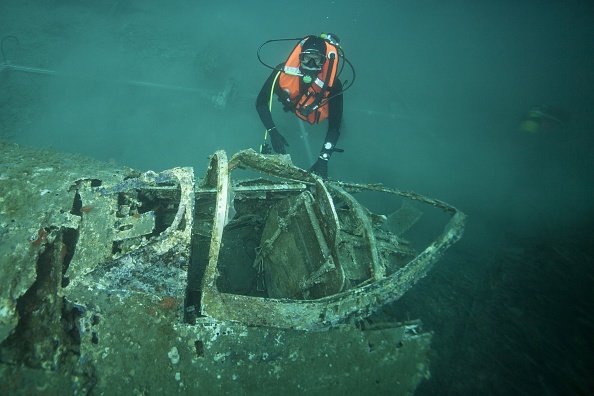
{"x": 307, "y": 85}
{"x": 544, "y": 120}
{"x": 543, "y": 158}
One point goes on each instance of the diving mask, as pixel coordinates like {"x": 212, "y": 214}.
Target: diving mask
{"x": 312, "y": 60}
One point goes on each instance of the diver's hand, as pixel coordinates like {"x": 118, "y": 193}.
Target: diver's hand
{"x": 320, "y": 168}
{"x": 278, "y": 141}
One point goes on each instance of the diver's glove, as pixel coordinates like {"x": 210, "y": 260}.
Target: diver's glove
{"x": 278, "y": 141}
{"x": 320, "y": 168}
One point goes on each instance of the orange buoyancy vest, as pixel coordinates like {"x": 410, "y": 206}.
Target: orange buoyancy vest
{"x": 290, "y": 79}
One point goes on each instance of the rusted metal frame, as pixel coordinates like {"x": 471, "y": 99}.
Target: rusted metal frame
{"x": 323, "y": 313}
{"x": 325, "y": 250}
{"x": 275, "y": 165}
{"x": 357, "y": 187}
{"x": 377, "y": 269}
{"x": 217, "y": 173}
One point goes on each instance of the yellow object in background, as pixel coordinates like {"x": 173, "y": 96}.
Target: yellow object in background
{"x": 529, "y": 126}
{"x": 543, "y": 119}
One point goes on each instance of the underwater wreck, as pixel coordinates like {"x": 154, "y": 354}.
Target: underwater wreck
{"x": 253, "y": 278}
{"x": 118, "y": 280}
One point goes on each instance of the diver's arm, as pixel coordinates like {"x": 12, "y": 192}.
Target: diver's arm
{"x": 320, "y": 167}
{"x": 263, "y": 100}
{"x": 263, "y": 107}
{"x": 334, "y": 118}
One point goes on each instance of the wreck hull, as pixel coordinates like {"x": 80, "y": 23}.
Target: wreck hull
{"x": 98, "y": 265}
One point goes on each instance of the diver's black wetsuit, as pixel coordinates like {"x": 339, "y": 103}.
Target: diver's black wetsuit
{"x": 334, "y": 106}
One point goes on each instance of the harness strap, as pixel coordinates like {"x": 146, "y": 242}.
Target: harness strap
{"x": 320, "y": 95}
